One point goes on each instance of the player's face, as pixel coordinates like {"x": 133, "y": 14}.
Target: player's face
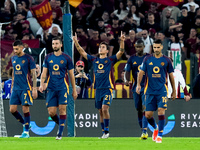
{"x": 103, "y": 49}
{"x": 139, "y": 49}
{"x": 56, "y": 45}
{"x": 157, "y": 48}
{"x": 18, "y": 50}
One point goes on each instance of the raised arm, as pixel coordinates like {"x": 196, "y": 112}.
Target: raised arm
{"x": 121, "y": 48}
{"x": 79, "y": 48}
{"x": 42, "y": 80}
{"x": 171, "y": 78}
{"x": 34, "y": 78}
{"x": 72, "y": 79}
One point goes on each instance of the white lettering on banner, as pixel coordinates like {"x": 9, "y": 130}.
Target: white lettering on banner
{"x": 86, "y": 120}
{"x": 190, "y": 120}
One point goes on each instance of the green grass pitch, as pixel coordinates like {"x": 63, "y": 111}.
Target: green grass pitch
{"x": 88, "y": 143}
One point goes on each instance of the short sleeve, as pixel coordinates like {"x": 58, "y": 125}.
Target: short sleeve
{"x": 89, "y": 57}
{"x": 143, "y": 66}
{"x": 32, "y": 63}
{"x": 128, "y": 65}
{"x": 45, "y": 63}
{"x": 170, "y": 67}
{"x": 70, "y": 64}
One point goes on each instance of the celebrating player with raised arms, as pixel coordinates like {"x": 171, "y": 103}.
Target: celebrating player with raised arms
{"x": 102, "y": 82}
{"x": 23, "y": 66}
{"x": 155, "y": 67}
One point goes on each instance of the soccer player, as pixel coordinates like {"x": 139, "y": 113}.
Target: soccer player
{"x": 133, "y": 64}
{"x": 156, "y": 67}
{"x": 102, "y": 82}
{"x": 23, "y": 65}
{"x": 56, "y": 65}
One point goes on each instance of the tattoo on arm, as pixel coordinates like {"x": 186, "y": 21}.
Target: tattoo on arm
{"x": 122, "y": 50}
{"x": 33, "y": 73}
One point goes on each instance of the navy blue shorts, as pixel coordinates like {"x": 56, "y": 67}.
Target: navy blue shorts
{"x": 153, "y": 102}
{"x": 139, "y": 100}
{"x": 56, "y": 98}
{"x": 21, "y": 97}
{"x": 103, "y": 97}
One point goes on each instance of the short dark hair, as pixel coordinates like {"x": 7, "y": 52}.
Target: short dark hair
{"x": 10, "y": 71}
{"x": 105, "y": 43}
{"x": 18, "y": 43}
{"x": 57, "y": 38}
{"x": 139, "y": 42}
{"x": 157, "y": 41}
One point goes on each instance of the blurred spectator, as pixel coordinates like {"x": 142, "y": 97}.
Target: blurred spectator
{"x": 108, "y": 28}
{"x": 7, "y": 85}
{"x": 21, "y": 9}
{"x": 195, "y": 48}
{"x": 190, "y": 41}
{"x": 151, "y": 23}
{"x": 153, "y": 9}
{"x": 121, "y": 79}
{"x": 115, "y": 26}
{"x": 57, "y": 9}
{"x": 148, "y": 42}
{"x": 96, "y": 12}
{"x": 93, "y": 44}
{"x": 170, "y": 27}
{"x": 7, "y": 13}
{"x": 26, "y": 26}
{"x": 8, "y": 34}
{"x": 129, "y": 4}
{"x": 196, "y": 86}
{"x": 165, "y": 42}
{"x": 137, "y": 16}
{"x": 78, "y": 19}
{"x": 191, "y": 3}
{"x": 129, "y": 44}
{"x": 104, "y": 37}
{"x": 185, "y": 20}
{"x": 121, "y": 11}
{"x": 169, "y": 12}
{"x": 41, "y": 31}
{"x": 106, "y": 18}
{"x": 192, "y": 11}
{"x": 100, "y": 25}
{"x": 26, "y": 35}
{"x": 196, "y": 24}
{"x": 48, "y": 38}
{"x": 140, "y": 6}
{"x": 181, "y": 36}
{"x": 83, "y": 80}
{"x": 55, "y": 20}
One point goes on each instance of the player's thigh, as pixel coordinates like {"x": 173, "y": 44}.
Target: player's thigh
{"x": 98, "y": 99}
{"x": 62, "y": 97}
{"x": 51, "y": 99}
{"x": 138, "y": 101}
{"x": 15, "y": 98}
{"x": 26, "y": 98}
{"x": 150, "y": 103}
{"x": 162, "y": 100}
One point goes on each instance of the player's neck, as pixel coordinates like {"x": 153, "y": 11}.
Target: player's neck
{"x": 21, "y": 54}
{"x": 102, "y": 56}
{"x": 58, "y": 53}
{"x": 158, "y": 56}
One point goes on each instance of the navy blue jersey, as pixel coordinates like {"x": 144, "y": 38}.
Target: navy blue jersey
{"x": 133, "y": 64}
{"x": 22, "y": 71}
{"x": 57, "y": 68}
{"x": 102, "y": 71}
{"x": 7, "y": 88}
{"x": 156, "y": 70}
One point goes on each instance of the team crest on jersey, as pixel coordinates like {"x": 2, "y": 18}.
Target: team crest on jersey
{"x": 62, "y": 61}
{"x": 23, "y": 61}
{"x": 100, "y": 66}
{"x": 51, "y": 61}
{"x": 105, "y": 61}
{"x": 14, "y": 61}
{"x": 135, "y": 63}
{"x": 97, "y": 62}
{"x": 150, "y": 63}
{"x": 162, "y": 63}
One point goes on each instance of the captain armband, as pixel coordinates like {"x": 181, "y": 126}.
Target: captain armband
{"x": 122, "y": 49}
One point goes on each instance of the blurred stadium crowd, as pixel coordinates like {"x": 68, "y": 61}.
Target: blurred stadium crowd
{"x": 95, "y": 21}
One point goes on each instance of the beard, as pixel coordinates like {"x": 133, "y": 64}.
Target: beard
{"x": 55, "y": 50}
{"x": 157, "y": 52}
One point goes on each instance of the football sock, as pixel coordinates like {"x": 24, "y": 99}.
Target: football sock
{"x": 102, "y": 127}
{"x": 152, "y": 122}
{"x": 140, "y": 116}
{"x": 55, "y": 119}
{"x": 18, "y": 116}
{"x": 161, "y": 124}
{"x": 27, "y": 118}
{"x": 144, "y": 124}
{"x": 62, "y": 121}
{"x": 106, "y": 125}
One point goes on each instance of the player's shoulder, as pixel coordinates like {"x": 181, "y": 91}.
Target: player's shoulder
{"x": 66, "y": 56}
{"x": 167, "y": 58}
{"x": 29, "y": 57}
{"x": 149, "y": 56}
